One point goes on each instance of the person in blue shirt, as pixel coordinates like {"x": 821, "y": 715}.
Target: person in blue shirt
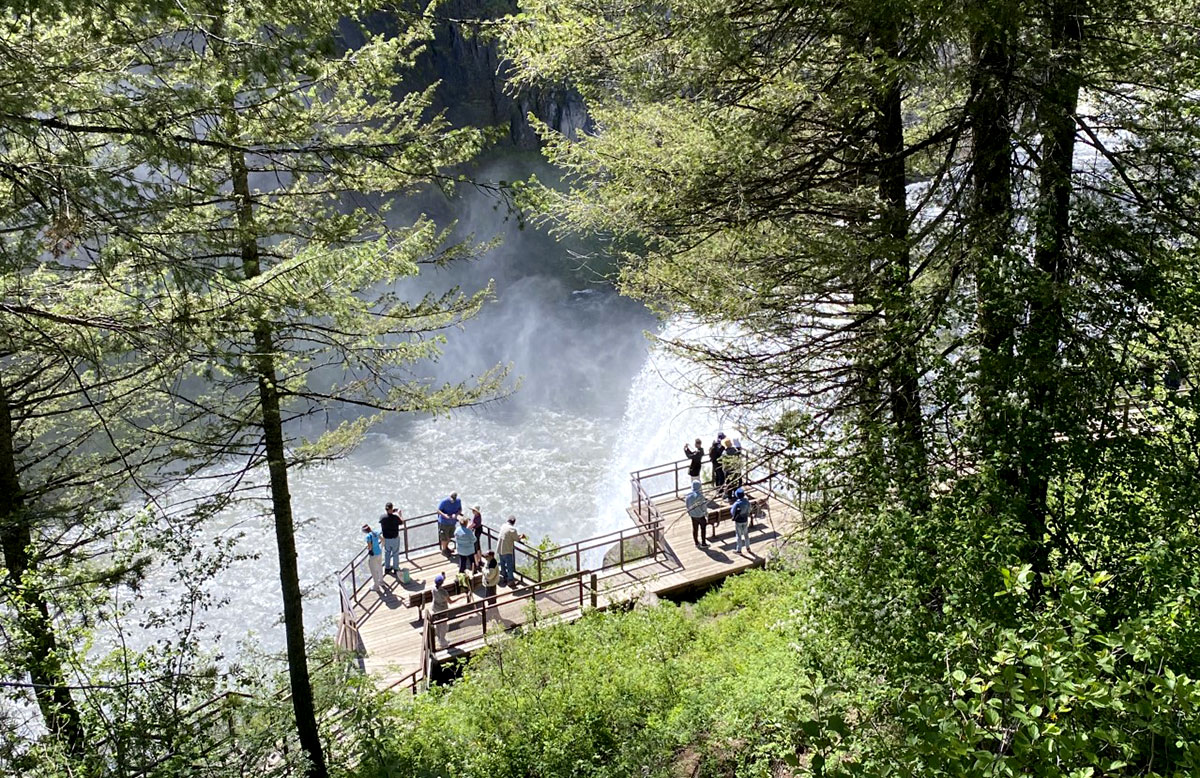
{"x": 464, "y": 543}
{"x": 449, "y": 510}
{"x": 374, "y": 557}
{"x": 740, "y": 510}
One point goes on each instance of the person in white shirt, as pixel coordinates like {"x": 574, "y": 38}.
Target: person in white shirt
{"x": 506, "y": 549}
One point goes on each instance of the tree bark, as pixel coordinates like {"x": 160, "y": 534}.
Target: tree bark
{"x": 37, "y": 643}
{"x": 1056, "y": 108}
{"x": 988, "y": 233}
{"x": 281, "y": 501}
{"x": 904, "y": 393}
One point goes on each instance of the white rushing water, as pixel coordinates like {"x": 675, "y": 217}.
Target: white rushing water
{"x": 564, "y": 474}
{"x": 595, "y": 403}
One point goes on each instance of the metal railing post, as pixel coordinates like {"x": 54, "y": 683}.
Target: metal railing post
{"x": 578, "y": 565}
{"x": 406, "y": 538}
{"x": 594, "y": 586}
{"x": 539, "y": 568}
{"x": 621, "y": 546}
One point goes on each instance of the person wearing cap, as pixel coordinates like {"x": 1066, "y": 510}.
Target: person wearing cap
{"x": 714, "y": 455}
{"x": 389, "y": 527}
{"x": 441, "y": 602}
{"x": 374, "y": 557}
{"x": 506, "y": 549}
{"x": 464, "y": 545}
{"x": 696, "y": 457}
{"x": 449, "y": 510}
{"x": 740, "y": 511}
{"x": 697, "y": 509}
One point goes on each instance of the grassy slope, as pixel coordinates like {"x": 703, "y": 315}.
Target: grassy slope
{"x": 715, "y": 687}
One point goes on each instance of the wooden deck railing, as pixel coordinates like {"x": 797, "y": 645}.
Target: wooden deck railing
{"x": 541, "y": 569}
{"x": 535, "y": 563}
{"x": 420, "y": 534}
{"x": 671, "y": 479}
{"x": 473, "y": 621}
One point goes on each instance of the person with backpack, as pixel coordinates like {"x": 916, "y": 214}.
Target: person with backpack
{"x": 374, "y": 557}
{"x": 697, "y": 508}
{"x": 740, "y": 511}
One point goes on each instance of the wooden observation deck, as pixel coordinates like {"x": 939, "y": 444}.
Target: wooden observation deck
{"x": 400, "y": 640}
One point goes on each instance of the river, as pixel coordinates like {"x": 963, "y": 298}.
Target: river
{"x": 594, "y": 402}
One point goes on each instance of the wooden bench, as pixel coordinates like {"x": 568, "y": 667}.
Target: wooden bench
{"x": 419, "y": 599}
{"x": 758, "y": 506}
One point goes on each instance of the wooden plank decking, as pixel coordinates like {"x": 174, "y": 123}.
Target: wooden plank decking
{"x": 392, "y": 633}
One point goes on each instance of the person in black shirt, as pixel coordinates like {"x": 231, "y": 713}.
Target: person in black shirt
{"x": 714, "y": 455}
{"x": 696, "y": 456}
{"x": 389, "y": 527}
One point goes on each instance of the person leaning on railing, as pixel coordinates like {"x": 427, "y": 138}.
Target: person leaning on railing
{"x": 449, "y": 510}
{"x": 506, "y": 549}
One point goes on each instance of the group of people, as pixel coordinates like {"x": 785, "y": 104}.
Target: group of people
{"x": 458, "y": 536}
{"x": 725, "y": 454}
{"x": 383, "y": 547}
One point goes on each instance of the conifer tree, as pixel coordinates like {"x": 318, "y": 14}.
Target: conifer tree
{"x": 256, "y": 159}
{"x": 951, "y": 212}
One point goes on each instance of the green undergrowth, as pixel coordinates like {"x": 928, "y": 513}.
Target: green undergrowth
{"x": 717, "y": 687}
{"x": 757, "y": 679}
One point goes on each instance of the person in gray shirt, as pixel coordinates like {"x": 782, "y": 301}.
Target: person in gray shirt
{"x": 697, "y": 508}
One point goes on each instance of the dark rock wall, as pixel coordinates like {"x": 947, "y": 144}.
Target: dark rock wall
{"x": 473, "y": 89}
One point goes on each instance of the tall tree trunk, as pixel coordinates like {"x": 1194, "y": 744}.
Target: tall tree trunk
{"x": 904, "y": 394}
{"x": 36, "y": 643}
{"x": 989, "y": 111}
{"x": 1056, "y": 119}
{"x": 281, "y": 500}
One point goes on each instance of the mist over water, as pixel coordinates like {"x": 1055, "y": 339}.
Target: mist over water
{"x": 594, "y": 403}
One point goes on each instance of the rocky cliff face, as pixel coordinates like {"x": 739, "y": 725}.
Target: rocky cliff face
{"x": 473, "y": 87}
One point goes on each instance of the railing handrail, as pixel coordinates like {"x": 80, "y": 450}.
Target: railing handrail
{"x": 606, "y": 540}
{"x": 533, "y": 590}
{"x": 410, "y": 679}
{"x": 519, "y": 544}
{"x": 424, "y": 520}
{"x": 750, "y": 462}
